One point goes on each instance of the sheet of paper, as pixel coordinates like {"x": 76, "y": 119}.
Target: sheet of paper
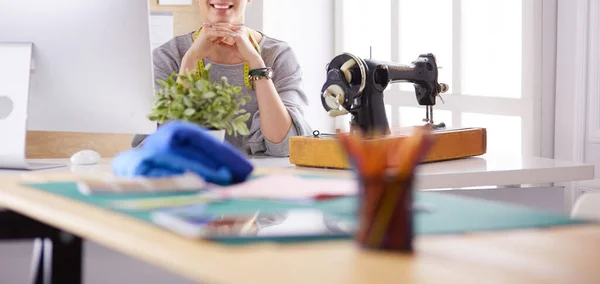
{"x": 290, "y": 187}
{"x": 161, "y": 29}
{"x": 175, "y": 2}
{"x": 116, "y": 185}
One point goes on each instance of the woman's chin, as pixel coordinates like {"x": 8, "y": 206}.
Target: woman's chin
{"x": 222, "y": 20}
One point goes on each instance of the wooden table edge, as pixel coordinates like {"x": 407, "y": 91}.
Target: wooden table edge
{"x": 196, "y": 260}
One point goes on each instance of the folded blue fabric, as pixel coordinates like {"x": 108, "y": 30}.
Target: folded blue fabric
{"x": 152, "y": 164}
{"x": 194, "y": 142}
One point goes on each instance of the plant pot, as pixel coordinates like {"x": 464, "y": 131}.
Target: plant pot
{"x": 219, "y": 134}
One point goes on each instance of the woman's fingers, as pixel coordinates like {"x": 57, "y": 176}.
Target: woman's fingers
{"x": 224, "y": 26}
{"x": 220, "y": 32}
{"x": 237, "y": 27}
{"x": 224, "y": 29}
{"x": 217, "y": 40}
{"x": 230, "y": 25}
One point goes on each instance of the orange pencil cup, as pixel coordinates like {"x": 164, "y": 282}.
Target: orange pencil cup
{"x": 385, "y": 213}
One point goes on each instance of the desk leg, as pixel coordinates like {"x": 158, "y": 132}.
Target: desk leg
{"x": 571, "y": 193}
{"x": 57, "y": 256}
{"x": 57, "y": 260}
{"x": 65, "y": 260}
{"x": 38, "y": 271}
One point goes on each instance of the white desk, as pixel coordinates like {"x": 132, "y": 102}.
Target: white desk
{"x": 470, "y": 172}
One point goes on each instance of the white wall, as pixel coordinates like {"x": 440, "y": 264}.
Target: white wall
{"x": 577, "y": 85}
{"x": 254, "y": 14}
{"x": 570, "y": 81}
{"x": 578, "y": 81}
{"x": 308, "y": 27}
{"x": 592, "y": 151}
{"x": 548, "y": 96}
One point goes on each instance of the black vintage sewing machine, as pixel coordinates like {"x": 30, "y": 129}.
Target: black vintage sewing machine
{"x": 356, "y": 86}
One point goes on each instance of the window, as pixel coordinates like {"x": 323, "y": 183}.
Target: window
{"x": 489, "y": 51}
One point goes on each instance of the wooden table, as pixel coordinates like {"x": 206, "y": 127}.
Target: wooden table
{"x": 557, "y": 255}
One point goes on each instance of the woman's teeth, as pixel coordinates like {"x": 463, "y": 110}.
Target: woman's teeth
{"x": 221, "y": 6}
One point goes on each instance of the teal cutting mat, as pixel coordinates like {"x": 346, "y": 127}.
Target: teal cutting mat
{"x": 449, "y": 214}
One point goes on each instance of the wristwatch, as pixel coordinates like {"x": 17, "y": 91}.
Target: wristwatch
{"x": 260, "y": 73}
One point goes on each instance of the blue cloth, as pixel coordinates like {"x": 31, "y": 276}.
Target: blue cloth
{"x": 152, "y": 164}
{"x": 194, "y": 142}
{"x": 178, "y": 147}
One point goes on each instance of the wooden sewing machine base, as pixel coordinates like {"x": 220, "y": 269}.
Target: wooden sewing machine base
{"x": 326, "y": 152}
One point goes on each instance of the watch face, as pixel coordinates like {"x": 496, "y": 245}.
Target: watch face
{"x": 270, "y": 74}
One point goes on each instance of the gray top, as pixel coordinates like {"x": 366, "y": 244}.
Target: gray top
{"x": 287, "y": 79}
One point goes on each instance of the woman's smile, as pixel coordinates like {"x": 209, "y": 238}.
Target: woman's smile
{"x": 221, "y": 8}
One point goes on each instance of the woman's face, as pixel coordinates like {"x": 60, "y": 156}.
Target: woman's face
{"x": 223, "y": 11}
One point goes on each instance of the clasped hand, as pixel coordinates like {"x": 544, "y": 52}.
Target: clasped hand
{"x": 211, "y": 36}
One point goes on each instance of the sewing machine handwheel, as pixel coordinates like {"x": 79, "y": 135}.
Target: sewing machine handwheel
{"x": 358, "y": 82}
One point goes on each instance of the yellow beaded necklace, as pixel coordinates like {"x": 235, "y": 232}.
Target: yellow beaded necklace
{"x": 200, "y": 64}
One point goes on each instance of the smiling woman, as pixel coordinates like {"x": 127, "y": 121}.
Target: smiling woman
{"x": 265, "y": 68}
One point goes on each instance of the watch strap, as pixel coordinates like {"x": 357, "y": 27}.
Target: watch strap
{"x": 260, "y": 72}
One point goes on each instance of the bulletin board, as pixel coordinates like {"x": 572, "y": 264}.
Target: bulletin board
{"x": 186, "y": 18}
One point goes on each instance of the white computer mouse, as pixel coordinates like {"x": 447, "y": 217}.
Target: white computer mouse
{"x": 85, "y": 157}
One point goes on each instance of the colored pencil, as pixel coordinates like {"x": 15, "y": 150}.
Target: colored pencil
{"x": 353, "y": 149}
{"x": 392, "y": 196}
{"x": 382, "y": 201}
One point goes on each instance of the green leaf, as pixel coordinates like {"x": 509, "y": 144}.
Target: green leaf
{"x": 196, "y": 99}
{"x": 185, "y": 79}
{"x": 201, "y": 85}
{"x": 195, "y": 92}
{"x": 187, "y": 102}
{"x": 229, "y": 129}
{"x": 243, "y": 129}
{"x": 209, "y": 95}
{"x": 162, "y": 83}
{"x": 242, "y": 118}
{"x": 189, "y": 112}
{"x": 226, "y": 98}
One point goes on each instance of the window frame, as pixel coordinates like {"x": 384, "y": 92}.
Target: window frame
{"x": 536, "y": 105}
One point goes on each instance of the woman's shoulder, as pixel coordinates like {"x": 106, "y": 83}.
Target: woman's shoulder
{"x": 271, "y": 43}
{"x": 177, "y": 46}
{"x": 273, "y": 49}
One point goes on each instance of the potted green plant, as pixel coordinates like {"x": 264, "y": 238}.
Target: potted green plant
{"x": 214, "y": 105}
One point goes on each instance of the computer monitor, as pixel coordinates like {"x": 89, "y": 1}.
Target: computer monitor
{"x": 91, "y": 69}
